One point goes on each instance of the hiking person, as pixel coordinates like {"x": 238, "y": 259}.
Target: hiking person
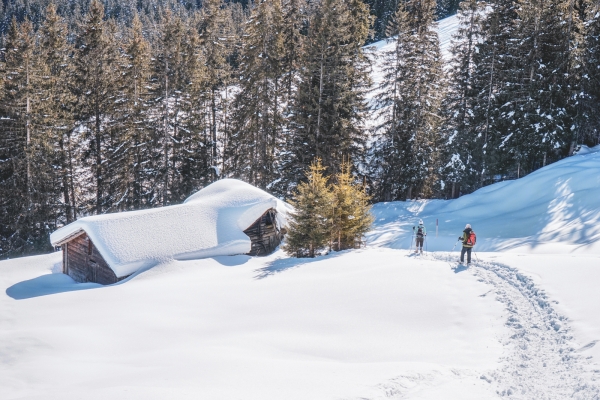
{"x": 468, "y": 241}
{"x": 420, "y": 234}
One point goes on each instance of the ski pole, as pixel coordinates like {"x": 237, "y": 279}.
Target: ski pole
{"x": 477, "y": 258}
{"x": 455, "y": 245}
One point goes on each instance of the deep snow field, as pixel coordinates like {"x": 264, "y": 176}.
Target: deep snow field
{"x": 374, "y": 323}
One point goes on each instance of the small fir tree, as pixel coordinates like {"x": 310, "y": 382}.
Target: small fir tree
{"x": 310, "y": 225}
{"x": 350, "y": 215}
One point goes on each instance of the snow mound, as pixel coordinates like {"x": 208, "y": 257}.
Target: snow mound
{"x": 554, "y": 209}
{"x": 209, "y": 223}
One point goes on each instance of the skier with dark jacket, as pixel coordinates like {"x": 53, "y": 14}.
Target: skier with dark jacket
{"x": 468, "y": 241}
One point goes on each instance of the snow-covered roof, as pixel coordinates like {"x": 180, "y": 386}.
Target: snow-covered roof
{"x": 209, "y": 223}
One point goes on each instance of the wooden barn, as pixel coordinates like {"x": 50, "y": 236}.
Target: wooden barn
{"x": 83, "y": 262}
{"x": 264, "y": 234}
{"x": 228, "y": 217}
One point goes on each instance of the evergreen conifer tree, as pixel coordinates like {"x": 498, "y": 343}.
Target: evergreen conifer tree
{"x": 310, "y": 225}
{"x": 55, "y": 116}
{"x": 406, "y": 154}
{"x": 294, "y": 22}
{"x": 95, "y": 86}
{"x": 489, "y": 81}
{"x": 28, "y": 181}
{"x": 463, "y": 155}
{"x": 350, "y": 214}
{"x": 539, "y": 110}
{"x": 590, "y": 104}
{"x": 215, "y": 38}
{"x": 179, "y": 84}
{"x": 258, "y": 122}
{"x": 329, "y": 107}
{"x": 134, "y": 178}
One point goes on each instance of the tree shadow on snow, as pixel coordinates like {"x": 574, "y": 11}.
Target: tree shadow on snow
{"x": 284, "y": 264}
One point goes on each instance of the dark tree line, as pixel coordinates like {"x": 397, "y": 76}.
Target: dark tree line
{"x": 101, "y": 114}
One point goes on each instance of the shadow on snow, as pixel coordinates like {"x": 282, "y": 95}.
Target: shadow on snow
{"x": 284, "y": 264}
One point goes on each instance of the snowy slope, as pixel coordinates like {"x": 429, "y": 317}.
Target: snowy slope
{"x": 555, "y": 209}
{"x": 375, "y": 323}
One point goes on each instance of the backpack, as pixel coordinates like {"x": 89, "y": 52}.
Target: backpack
{"x": 420, "y": 232}
{"x": 471, "y": 239}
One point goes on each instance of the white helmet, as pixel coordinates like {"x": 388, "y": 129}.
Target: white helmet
{"x": 468, "y": 226}
{"x": 420, "y": 222}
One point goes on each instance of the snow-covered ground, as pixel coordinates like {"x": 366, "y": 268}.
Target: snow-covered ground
{"x": 375, "y": 323}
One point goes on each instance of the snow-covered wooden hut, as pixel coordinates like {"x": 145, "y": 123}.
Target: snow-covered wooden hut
{"x": 228, "y": 217}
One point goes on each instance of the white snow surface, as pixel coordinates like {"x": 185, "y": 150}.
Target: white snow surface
{"x": 209, "y": 223}
{"x": 522, "y": 322}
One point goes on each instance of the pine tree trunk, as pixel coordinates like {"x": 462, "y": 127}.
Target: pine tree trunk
{"x": 98, "y": 142}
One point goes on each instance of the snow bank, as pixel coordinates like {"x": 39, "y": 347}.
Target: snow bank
{"x": 555, "y": 209}
{"x": 209, "y": 223}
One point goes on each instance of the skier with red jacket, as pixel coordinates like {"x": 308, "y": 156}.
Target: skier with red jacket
{"x": 468, "y": 239}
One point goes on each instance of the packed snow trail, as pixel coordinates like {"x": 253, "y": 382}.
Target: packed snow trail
{"x": 542, "y": 361}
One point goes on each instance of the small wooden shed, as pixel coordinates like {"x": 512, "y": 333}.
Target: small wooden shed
{"x": 228, "y": 217}
{"x": 265, "y": 234}
{"x": 83, "y": 262}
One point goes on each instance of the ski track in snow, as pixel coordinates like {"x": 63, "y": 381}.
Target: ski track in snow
{"x": 542, "y": 360}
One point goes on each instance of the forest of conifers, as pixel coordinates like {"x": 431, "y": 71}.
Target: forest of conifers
{"x": 118, "y": 105}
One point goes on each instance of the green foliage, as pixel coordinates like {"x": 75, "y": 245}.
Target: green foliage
{"x": 310, "y": 223}
{"x": 407, "y": 146}
{"x": 328, "y": 215}
{"x": 257, "y": 128}
{"x": 329, "y": 108}
{"x": 351, "y": 217}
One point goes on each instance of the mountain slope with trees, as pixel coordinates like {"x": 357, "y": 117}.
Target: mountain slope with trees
{"x": 114, "y": 106}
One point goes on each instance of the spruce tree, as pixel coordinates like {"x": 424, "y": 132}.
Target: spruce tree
{"x": 134, "y": 176}
{"x": 94, "y": 85}
{"x": 329, "y": 107}
{"x": 590, "y": 104}
{"x": 406, "y": 152}
{"x": 215, "y": 38}
{"x": 180, "y": 86}
{"x": 310, "y": 225}
{"x": 258, "y": 123}
{"x": 350, "y": 214}
{"x": 28, "y": 186}
{"x": 294, "y": 22}
{"x": 55, "y": 115}
{"x": 463, "y": 155}
{"x": 544, "y": 83}
{"x": 15, "y": 145}
{"x": 490, "y": 80}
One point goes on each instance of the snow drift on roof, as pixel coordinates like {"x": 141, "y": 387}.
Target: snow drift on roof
{"x": 209, "y": 223}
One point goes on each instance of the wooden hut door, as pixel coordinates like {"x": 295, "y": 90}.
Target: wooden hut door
{"x": 92, "y": 266}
